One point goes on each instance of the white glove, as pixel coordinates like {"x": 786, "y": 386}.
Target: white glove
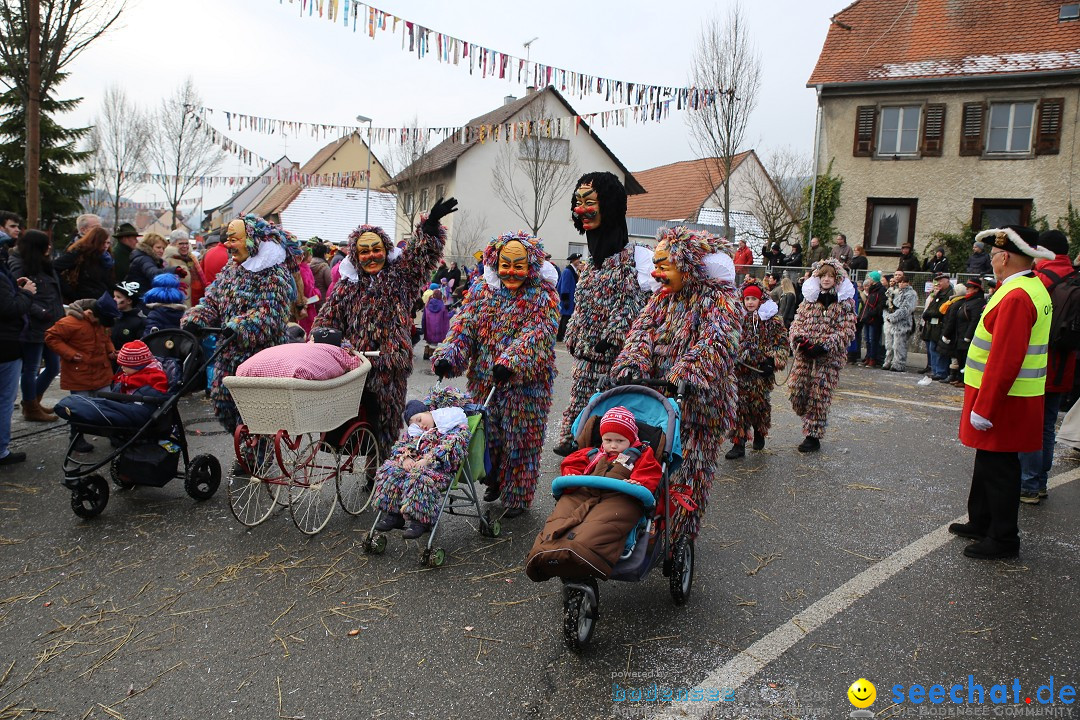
{"x": 979, "y": 422}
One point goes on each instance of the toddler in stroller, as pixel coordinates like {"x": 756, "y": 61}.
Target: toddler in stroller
{"x": 140, "y": 374}
{"x": 586, "y": 533}
{"x": 410, "y": 485}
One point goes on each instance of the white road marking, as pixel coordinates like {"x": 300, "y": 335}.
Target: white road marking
{"x": 917, "y": 403}
{"x": 735, "y": 672}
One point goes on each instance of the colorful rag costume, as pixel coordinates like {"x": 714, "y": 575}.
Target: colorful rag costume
{"x": 253, "y": 299}
{"x": 610, "y": 292}
{"x": 692, "y": 335}
{"x": 374, "y": 311}
{"x": 823, "y": 327}
{"x": 417, "y": 493}
{"x": 763, "y": 346}
{"x": 502, "y": 328}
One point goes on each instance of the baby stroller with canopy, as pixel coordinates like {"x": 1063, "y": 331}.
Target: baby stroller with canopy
{"x": 149, "y": 454}
{"x": 654, "y": 540}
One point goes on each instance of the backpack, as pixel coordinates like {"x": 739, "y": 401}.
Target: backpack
{"x": 1065, "y": 300}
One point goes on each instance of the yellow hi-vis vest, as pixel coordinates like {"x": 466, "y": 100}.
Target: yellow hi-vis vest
{"x": 1031, "y": 380}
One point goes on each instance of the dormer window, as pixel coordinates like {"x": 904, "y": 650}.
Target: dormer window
{"x": 1069, "y": 11}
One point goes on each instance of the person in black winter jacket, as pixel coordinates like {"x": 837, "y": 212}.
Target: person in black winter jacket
{"x": 86, "y": 267}
{"x": 132, "y": 320}
{"x": 907, "y": 262}
{"x": 795, "y": 258}
{"x": 938, "y": 263}
{"x": 147, "y": 262}
{"x": 961, "y": 319}
{"x": 16, "y": 297}
{"x": 32, "y": 258}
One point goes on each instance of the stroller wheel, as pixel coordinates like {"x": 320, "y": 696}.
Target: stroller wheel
{"x": 682, "y": 570}
{"x": 581, "y": 605}
{"x": 203, "y": 477}
{"x": 375, "y": 544}
{"x": 489, "y": 526}
{"x": 114, "y": 473}
{"x": 433, "y": 558}
{"x": 91, "y": 497}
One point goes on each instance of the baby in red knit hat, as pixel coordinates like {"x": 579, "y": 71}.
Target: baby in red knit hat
{"x": 586, "y": 532}
{"x": 138, "y": 368}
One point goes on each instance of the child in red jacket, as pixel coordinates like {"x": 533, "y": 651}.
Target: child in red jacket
{"x": 586, "y": 532}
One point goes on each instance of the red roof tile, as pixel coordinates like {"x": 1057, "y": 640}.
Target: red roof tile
{"x": 887, "y": 40}
{"x": 677, "y": 191}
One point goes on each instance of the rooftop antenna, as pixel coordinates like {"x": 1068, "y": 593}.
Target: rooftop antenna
{"x": 528, "y": 47}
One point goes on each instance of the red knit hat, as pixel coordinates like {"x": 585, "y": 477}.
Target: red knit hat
{"x": 620, "y": 420}
{"x": 134, "y": 354}
{"x": 752, "y": 291}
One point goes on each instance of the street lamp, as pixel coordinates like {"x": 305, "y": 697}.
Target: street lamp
{"x": 367, "y": 193}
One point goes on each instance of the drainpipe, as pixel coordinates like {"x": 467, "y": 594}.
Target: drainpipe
{"x": 813, "y": 186}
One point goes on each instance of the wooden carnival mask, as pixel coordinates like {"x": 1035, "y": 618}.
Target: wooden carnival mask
{"x": 587, "y": 206}
{"x": 370, "y": 253}
{"x": 513, "y": 267}
{"x": 669, "y": 276}
{"x": 236, "y": 241}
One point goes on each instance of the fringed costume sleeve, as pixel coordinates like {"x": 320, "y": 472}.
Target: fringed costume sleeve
{"x": 458, "y": 347}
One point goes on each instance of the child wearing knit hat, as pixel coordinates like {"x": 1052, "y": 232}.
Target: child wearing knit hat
{"x": 140, "y": 374}
{"x": 593, "y": 523}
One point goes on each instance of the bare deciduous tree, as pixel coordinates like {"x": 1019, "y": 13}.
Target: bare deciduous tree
{"x": 119, "y": 141}
{"x": 533, "y": 174}
{"x": 725, "y": 60}
{"x": 469, "y": 234}
{"x": 38, "y": 39}
{"x": 408, "y": 171}
{"x": 776, "y": 198}
{"x": 181, "y": 151}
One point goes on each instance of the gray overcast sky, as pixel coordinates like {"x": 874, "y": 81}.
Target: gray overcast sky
{"x": 260, "y": 57}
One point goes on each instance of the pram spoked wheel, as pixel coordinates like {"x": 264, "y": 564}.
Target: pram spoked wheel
{"x": 375, "y": 544}
{"x": 254, "y": 493}
{"x": 312, "y": 465}
{"x": 90, "y": 497}
{"x": 682, "y": 570}
{"x": 581, "y": 608}
{"x": 203, "y": 477}
{"x": 357, "y": 460}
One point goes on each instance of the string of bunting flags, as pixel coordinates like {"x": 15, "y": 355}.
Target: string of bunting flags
{"x": 425, "y": 42}
{"x": 276, "y": 175}
{"x": 546, "y": 127}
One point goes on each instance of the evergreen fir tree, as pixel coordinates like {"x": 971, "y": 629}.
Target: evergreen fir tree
{"x": 61, "y": 189}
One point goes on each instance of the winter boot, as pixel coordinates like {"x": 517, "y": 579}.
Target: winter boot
{"x": 32, "y": 411}
{"x": 759, "y": 441}
{"x": 737, "y": 450}
{"x": 81, "y": 445}
{"x": 46, "y": 409}
{"x": 809, "y": 444}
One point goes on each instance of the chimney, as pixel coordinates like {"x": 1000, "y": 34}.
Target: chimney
{"x": 509, "y": 99}
{"x": 529, "y": 90}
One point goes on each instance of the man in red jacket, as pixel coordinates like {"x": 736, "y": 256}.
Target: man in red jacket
{"x": 1005, "y": 379}
{"x": 1035, "y": 466}
{"x": 216, "y": 257}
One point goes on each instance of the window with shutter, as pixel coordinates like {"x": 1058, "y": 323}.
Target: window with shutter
{"x": 971, "y": 129}
{"x": 1048, "y": 141}
{"x": 933, "y": 131}
{"x": 865, "y": 128}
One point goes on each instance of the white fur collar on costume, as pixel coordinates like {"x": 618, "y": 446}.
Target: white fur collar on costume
{"x": 549, "y": 273}
{"x": 767, "y": 309}
{"x": 720, "y": 266}
{"x": 643, "y": 265}
{"x": 811, "y": 289}
{"x": 269, "y": 255}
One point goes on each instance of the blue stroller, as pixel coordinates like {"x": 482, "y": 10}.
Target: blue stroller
{"x": 653, "y": 541}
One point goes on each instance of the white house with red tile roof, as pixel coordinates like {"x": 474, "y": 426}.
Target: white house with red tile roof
{"x": 941, "y": 112}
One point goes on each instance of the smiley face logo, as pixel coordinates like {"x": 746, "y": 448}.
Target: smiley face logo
{"x": 862, "y": 693}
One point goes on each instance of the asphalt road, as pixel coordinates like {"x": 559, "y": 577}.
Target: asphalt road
{"x": 813, "y": 571}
